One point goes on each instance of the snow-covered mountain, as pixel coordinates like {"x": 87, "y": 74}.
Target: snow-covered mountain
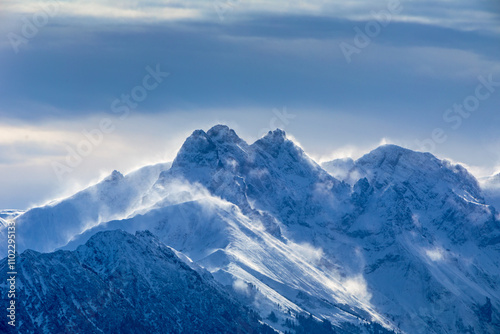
{"x": 430, "y": 242}
{"x": 121, "y": 283}
{"x": 397, "y": 240}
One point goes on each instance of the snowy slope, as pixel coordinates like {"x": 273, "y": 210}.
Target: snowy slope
{"x": 407, "y": 240}
{"x": 121, "y": 283}
{"x": 430, "y": 244}
{"x": 264, "y": 270}
{"x": 117, "y": 196}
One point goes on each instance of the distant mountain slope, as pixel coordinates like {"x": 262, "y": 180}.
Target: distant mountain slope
{"x": 120, "y": 283}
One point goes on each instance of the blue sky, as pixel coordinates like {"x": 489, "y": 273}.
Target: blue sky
{"x": 247, "y": 64}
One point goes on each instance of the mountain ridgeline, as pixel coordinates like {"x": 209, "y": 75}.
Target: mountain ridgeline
{"x": 255, "y": 238}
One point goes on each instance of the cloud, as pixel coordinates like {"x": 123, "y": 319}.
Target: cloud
{"x": 78, "y": 67}
{"x": 457, "y": 15}
{"x": 129, "y": 10}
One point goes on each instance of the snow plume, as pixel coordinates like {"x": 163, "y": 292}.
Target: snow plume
{"x": 327, "y": 191}
{"x": 241, "y": 287}
{"x": 174, "y": 191}
{"x": 416, "y": 220}
{"x": 324, "y": 191}
{"x": 339, "y": 168}
{"x": 308, "y": 252}
{"x": 435, "y": 254}
{"x": 358, "y": 287}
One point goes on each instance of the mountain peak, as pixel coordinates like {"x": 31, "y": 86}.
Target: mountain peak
{"x": 496, "y": 178}
{"x": 273, "y": 139}
{"x": 109, "y": 247}
{"x": 392, "y": 155}
{"x": 276, "y": 135}
{"x": 222, "y": 133}
{"x": 198, "y": 148}
{"x": 388, "y": 164}
{"x": 145, "y": 234}
{"x": 115, "y": 176}
{"x": 102, "y": 240}
{"x": 111, "y": 234}
{"x": 198, "y": 133}
{"x": 392, "y": 149}
{"x": 219, "y": 146}
{"x": 276, "y": 143}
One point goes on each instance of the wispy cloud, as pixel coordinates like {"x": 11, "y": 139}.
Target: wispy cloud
{"x": 460, "y": 15}
{"x": 131, "y": 10}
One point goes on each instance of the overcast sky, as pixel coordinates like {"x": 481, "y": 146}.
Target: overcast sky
{"x": 339, "y": 77}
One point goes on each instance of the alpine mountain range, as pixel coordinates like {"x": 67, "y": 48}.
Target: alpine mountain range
{"x": 239, "y": 238}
